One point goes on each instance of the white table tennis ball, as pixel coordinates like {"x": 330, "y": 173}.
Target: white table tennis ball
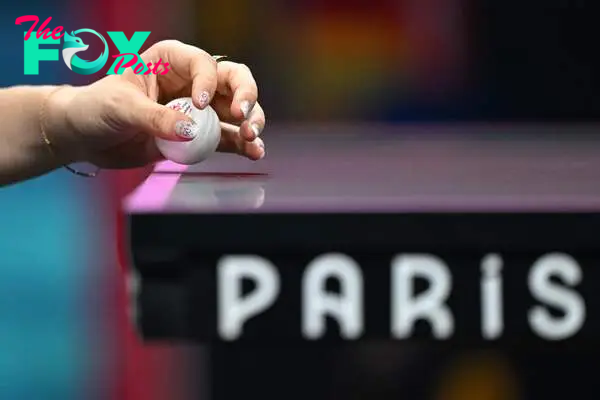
{"x": 203, "y": 145}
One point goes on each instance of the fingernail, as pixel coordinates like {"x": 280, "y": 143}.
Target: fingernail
{"x": 246, "y": 107}
{"x": 203, "y": 99}
{"x": 186, "y": 129}
{"x": 259, "y": 142}
{"x": 257, "y": 129}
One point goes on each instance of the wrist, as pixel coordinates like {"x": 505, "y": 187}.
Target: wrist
{"x": 56, "y": 125}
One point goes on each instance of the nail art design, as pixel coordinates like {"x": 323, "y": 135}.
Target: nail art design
{"x": 246, "y": 108}
{"x": 203, "y": 99}
{"x": 185, "y": 129}
{"x": 183, "y": 106}
{"x": 256, "y": 129}
{"x": 261, "y": 144}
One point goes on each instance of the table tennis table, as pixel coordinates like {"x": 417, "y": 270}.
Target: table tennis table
{"x": 457, "y": 192}
{"x": 527, "y": 195}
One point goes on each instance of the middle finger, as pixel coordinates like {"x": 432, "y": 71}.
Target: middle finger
{"x": 236, "y": 81}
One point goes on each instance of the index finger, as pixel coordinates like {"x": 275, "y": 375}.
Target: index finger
{"x": 194, "y": 64}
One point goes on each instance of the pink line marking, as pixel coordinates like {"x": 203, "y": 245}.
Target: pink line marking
{"x": 152, "y": 195}
{"x": 169, "y": 166}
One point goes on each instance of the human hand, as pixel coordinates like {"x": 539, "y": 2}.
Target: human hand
{"x": 113, "y": 122}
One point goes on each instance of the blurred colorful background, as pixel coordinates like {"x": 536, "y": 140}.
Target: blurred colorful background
{"x": 64, "y": 332}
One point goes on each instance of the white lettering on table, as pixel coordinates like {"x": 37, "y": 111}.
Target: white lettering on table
{"x": 345, "y": 307}
{"x": 234, "y": 309}
{"x": 492, "y": 310}
{"x": 559, "y": 296}
{"x": 430, "y": 305}
{"x": 407, "y": 307}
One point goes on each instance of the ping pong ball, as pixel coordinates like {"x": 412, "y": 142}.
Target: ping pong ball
{"x": 204, "y": 143}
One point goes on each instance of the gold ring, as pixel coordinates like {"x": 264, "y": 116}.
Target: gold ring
{"x": 218, "y": 58}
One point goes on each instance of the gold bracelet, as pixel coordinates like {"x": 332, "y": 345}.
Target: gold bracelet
{"x": 49, "y": 144}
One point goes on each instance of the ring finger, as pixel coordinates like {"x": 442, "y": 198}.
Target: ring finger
{"x": 250, "y": 128}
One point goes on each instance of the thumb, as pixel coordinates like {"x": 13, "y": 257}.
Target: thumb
{"x": 163, "y": 122}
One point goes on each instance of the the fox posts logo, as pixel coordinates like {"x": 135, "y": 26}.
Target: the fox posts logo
{"x": 73, "y": 44}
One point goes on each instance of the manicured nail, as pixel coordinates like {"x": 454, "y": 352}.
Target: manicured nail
{"x": 203, "y": 99}
{"x": 186, "y": 129}
{"x": 246, "y": 108}
{"x": 261, "y": 144}
{"x": 257, "y": 129}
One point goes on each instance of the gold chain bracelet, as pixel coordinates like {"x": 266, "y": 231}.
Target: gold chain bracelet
{"x": 49, "y": 144}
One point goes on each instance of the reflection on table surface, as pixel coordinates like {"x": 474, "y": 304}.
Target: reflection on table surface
{"x": 396, "y": 168}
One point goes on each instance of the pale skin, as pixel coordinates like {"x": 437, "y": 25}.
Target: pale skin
{"x": 113, "y": 122}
